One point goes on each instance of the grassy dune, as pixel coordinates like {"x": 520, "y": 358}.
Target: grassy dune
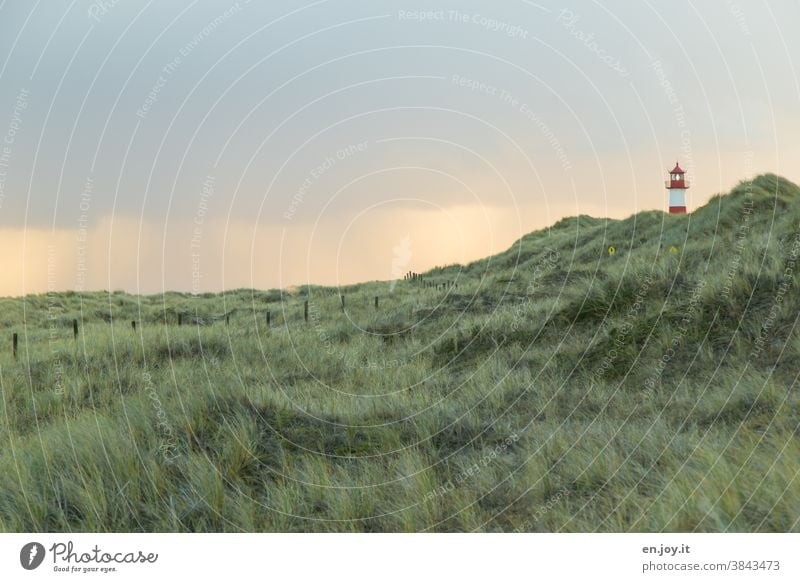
{"x": 553, "y": 387}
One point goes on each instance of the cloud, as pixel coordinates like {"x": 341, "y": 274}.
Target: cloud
{"x": 460, "y": 117}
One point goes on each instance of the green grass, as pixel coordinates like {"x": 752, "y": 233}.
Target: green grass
{"x": 557, "y": 388}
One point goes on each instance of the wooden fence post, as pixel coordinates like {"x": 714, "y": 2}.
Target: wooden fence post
{"x": 305, "y": 310}
{"x": 75, "y": 329}
{"x": 342, "y": 298}
{"x": 133, "y": 324}
{"x": 227, "y": 319}
{"x": 268, "y": 318}
{"x": 180, "y": 319}
{"x": 376, "y": 302}
{"x": 14, "y": 339}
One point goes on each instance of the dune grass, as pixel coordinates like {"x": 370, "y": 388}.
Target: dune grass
{"x": 553, "y": 387}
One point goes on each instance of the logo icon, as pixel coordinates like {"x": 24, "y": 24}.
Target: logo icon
{"x": 673, "y": 249}
{"x": 32, "y": 555}
{"x": 612, "y": 250}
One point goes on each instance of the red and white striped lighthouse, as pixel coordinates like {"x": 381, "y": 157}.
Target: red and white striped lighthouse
{"x": 677, "y": 186}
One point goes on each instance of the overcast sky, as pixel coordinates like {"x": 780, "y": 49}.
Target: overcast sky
{"x": 214, "y": 145}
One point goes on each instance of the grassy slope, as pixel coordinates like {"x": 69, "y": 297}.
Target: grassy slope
{"x": 557, "y": 388}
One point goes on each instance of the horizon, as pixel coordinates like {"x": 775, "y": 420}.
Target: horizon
{"x": 207, "y": 147}
{"x": 289, "y": 287}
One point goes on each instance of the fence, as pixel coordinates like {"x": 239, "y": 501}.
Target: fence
{"x": 415, "y": 279}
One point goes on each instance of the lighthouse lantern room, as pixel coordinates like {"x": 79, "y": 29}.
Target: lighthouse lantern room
{"x": 677, "y": 186}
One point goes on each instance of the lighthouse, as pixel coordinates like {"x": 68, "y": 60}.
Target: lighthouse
{"x": 677, "y": 186}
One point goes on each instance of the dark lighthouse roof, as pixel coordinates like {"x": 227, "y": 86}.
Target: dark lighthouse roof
{"x": 677, "y": 169}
